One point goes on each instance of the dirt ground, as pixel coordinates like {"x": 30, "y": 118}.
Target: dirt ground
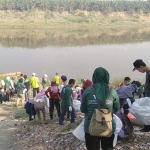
{"x": 8, "y": 125}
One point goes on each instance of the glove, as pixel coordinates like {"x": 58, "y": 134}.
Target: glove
{"x": 70, "y": 108}
{"x": 32, "y": 117}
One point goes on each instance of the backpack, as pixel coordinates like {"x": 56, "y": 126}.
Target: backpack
{"x": 101, "y": 121}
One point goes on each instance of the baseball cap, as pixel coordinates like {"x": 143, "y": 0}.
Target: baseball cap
{"x": 33, "y": 74}
{"x": 63, "y": 77}
{"x": 138, "y": 63}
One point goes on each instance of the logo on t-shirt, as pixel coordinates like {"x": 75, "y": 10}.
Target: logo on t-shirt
{"x": 108, "y": 102}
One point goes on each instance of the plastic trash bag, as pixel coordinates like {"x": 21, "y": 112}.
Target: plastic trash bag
{"x": 46, "y": 101}
{"x": 76, "y": 105}
{"x": 118, "y": 128}
{"x": 141, "y": 110}
{"x": 79, "y": 132}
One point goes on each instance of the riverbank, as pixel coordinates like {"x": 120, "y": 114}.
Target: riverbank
{"x": 8, "y": 125}
{"x": 75, "y": 19}
{"x": 20, "y": 134}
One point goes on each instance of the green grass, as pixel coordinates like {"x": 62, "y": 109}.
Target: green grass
{"x": 21, "y": 114}
{"x": 71, "y": 126}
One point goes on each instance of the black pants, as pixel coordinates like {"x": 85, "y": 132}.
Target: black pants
{"x": 35, "y": 91}
{"x": 30, "y": 118}
{"x": 1, "y": 99}
{"x": 93, "y": 142}
{"x": 56, "y": 103}
{"x": 12, "y": 92}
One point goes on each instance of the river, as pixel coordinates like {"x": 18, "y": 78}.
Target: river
{"x": 75, "y": 53}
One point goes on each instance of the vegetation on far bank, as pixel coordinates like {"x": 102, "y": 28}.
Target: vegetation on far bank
{"x": 104, "y": 7}
{"x": 77, "y": 19}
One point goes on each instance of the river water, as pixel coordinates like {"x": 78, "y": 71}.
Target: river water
{"x": 75, "y": 53}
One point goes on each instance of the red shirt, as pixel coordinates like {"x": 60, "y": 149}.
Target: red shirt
{"x": 52, "y": 95}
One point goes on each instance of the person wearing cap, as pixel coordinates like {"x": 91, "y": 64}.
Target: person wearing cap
{"x": 140, "y": 66}
{"x": 64, "y": 82}
{"x": 35, "y": 84}
{"x": 54, "y": 98}
{"x": 45, "y": 81}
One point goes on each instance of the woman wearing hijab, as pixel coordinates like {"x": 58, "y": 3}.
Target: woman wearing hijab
{"x": 53, "y": 91}
{"x": 89, "y": 104}
{"x": 86, "y": 85}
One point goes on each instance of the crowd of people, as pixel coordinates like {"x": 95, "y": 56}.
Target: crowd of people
{"x": 98, "y": 92}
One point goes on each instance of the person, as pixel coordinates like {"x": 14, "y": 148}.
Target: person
{"x": 66, "y": 103}
{"x": 20, "y": 94}
{"x": 21, "y": 77}
{"x": 57, "y": 79}
{"x": 81, "y": 83}
{"x": 126, "y": 92}
{"x": 45, "y": 81}
{"x": 125, "y": 82}
{"x": 1, "y": 87}
{"x": 7, "y": 88}
{"x": 64, "y": 82}
{"x": 35, "y": 84}
{"x": 15, "y": 83}
{"x": 86, "y": 85}
{"x": 27, "y": 84}
{"x": 89, "y": 104}
{"x": 12, "y": 87}
{"x": 54, "y": 98}
{"x": 30, "y": 110}
{"x": 140, "y": 66}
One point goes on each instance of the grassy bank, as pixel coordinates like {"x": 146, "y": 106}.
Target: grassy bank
{"x": 47, "y": 19}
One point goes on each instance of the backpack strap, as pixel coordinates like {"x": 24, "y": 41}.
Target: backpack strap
{"x": 99, "y": 107}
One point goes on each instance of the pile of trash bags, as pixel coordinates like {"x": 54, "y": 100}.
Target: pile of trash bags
{"x": 141, "y": 110}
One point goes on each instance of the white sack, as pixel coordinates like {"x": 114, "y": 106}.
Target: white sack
{"x": 76, "y": 105}
{"x": 141, "y": 110}
{"x": 118, "y": 128}
{"x": 79, "y": 132}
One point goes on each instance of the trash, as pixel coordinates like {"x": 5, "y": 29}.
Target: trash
{"x": 76, "y": 105}
{"x": 79, "y": 131}
{"x": 118, "y": 128}
{"x": 141, "y": 110}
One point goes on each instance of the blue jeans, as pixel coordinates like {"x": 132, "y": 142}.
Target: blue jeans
{"x": 63, "y": 113}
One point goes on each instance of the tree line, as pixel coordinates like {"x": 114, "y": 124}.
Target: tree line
{"x": 71, "y": 5}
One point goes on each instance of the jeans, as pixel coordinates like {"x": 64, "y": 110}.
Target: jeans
{"x": 93, "y": 142}
{"x": 56, "y": 103}
{"x": 63, "y": 113}
{"x": 35, "y": 91}
{"x": 27, "y": 93}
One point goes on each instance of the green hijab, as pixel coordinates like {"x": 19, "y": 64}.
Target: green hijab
{"x": 100, "y": 83}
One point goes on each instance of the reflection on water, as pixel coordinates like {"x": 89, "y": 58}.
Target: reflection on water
{"x": 75, "y": 53}
{"x": 41, "y": 38}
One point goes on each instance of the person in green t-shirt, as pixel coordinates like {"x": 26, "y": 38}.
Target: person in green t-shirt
{"x": 20, "y": 92}
{"x": 105, "y": 96}
{"x": 67, "y": 103}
